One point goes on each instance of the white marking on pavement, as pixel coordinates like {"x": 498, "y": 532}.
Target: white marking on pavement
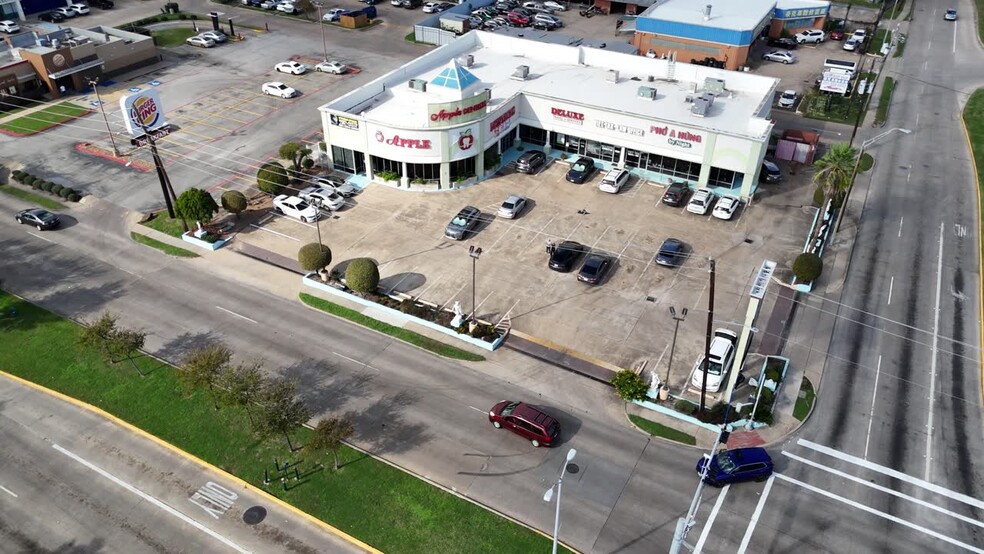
{"x": 40, "y": 237}
{"x": 8, "y": 491}
{"x": 892, "y": 473}
{"x": 874, "y": 392}
{"x": 538, "y": 233}
{"x": 917, "y": 124}
{"x": 274, "y": 232}
{"x": 889, "y": 517}
{"x": 230, "y": 312}
{"x": 901, "y": 219}
{"x": 755, "y": 516}
{"x": 891, "y": 285}
{"x": 152, "y": 500}
{"x": 477, "y": 409}
{"x": 954, "y": 50}
{"x": 932, "y": 364}
{"x": 887, "y": 490}
{"x": 710, "y": 519}
{"x": 354, "y": 361}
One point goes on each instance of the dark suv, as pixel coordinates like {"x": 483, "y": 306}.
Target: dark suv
{"x": 735, "y": 466}
{"x": 565, "y": 256}
{"x": 526, "y": 421}
{"x": 581, "y": 170}
{"x": 676, "y": 194}
{"x": 531, "y": 161}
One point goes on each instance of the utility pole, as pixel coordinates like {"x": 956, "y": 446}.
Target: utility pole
{"x": 92, "y": 83}
{"x": 320, "y": 4}
{"x": 474, "y": 253}
{"x": 707, "y": 339}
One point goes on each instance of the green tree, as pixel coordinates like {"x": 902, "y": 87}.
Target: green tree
{"x": 629, "y": 385}
{"x": 202, "y": 368}
{"x": 111, "y": 342}
{"x": 234, "y": 202}
{"x": 314, "y": 257}
{"x": 362, "y": 275}
{"x": 807, "y": 267}
{"x": 241, "y": 386}
{"x": 329, "y": 434}
{"x": 835, "y": 170}
{"x": 272, "y": 178}
{"x": 280, "y": 410}
{"x": 196, "y": 205}
{"x": 295, "y": 152}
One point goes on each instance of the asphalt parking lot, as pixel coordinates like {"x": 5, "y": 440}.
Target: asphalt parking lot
{"x": 802, "y": 75}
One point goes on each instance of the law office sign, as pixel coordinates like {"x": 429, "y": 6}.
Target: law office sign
{"x": 142, "y": 112}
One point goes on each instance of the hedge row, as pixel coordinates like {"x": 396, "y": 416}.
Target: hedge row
{"x": 37, "y": 183}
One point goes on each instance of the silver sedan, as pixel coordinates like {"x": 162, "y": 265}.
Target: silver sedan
{"x": 512, "y": 206}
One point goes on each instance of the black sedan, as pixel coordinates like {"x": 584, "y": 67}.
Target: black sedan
{"x": 676, "y": 194}
{"x": 581, "y": 170}
{"x": 52, "y": 17}
{"x": 564, "y": 256}
{"x": 785, "y": 43}
{"x": 594, "y": 269}
{"x": 672, "y": 253}
{"x": 36, "y": 217}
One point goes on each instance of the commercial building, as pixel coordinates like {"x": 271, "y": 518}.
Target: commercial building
{"x": 458, "y": 113}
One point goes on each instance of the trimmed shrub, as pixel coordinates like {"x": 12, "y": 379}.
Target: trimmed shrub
{"x": 629, "y": 385}
{"x": 64, "y": 192}
{"x": 182, "y": 16}
{"x": 17, "y": 175}
{"x": 314, "y": 256}
{"x": 194, "y": 16}
{"x": 271, "y": 178}
{"x": 36, "y": 182}
{"x": 685, "y": 406}
{"x": 409, "y": 307}
{"x": 74, "y": 197}
{"x": 308, "y": 163}
{"x": 56, "y": 188}
{"x": 807, "y": 267}
{"x": 234, "y": 202}
{"x": 362, "y": 275}
{"x": 46, "y": 186}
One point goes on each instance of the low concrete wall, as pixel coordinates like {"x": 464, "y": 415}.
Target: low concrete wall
{"x": 203, "y": 243}
{"x": 675, "y": 414}
{"x": 400, "y": 316}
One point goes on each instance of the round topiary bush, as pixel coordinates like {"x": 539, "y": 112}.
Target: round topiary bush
{"x": 314, "y": 257}
{"x": 234, "y": 202}
{"x": 807, "y": 267}
{"x": 56, "y": 188}
{"x": 64, "y": 192}
{"x": 362, "y": 275}
{"x": 46, "y": 186}
{"x": 36, "y": 182}
{"x": 308, "y": 163}
{"x": 271, "y": 178}
{"x": 74, "y": 197}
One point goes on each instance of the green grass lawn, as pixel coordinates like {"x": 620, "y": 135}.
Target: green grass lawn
{"x": 865, "y": 163}
{"x": 415, "y": 339}
{"x": 831, "y": 107}
{"x": 34, "y": 198}
{"x": 660, "y": 430}
{"x": 162, "y": 246}
{"x": 380, "y": 505}
{"x": 175, "y": 36}
{"x": 38, "y": 121}
{"x": 804, "y": 401}
{"x": 161, "y": 222}
{"x": 878, "y": 39}
{"x": 895, "y": 8}
{"x": 885, "y": 100}
{"x": 973, "y": 116}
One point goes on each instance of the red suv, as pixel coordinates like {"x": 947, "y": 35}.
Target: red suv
{"x": 526, "y": 421}
{"x": 518, "y": 19}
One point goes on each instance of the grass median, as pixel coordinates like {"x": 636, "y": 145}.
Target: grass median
{"x": 804, "y": 400}
{"x": 162, "y": 246}
{"x": 373, "y": 501}
{"x": 41, "y": 120}
{"x": 161, "y": 222}
{"x": 660, "y": 430}
{"x": 885, "y": 100}
{"x": 973, "y": 116}
{"x": 174, "y": 36}
{"x": 42, "y": 201}
{"x": 415, "y": 339}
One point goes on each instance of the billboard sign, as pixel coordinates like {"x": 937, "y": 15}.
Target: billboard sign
{"x": 142, "y": 112}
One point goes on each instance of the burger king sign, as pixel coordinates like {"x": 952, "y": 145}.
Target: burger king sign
{"x": 142, "y": 112}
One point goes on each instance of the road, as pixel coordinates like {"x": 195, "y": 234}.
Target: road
{"x": 73, "y": 481}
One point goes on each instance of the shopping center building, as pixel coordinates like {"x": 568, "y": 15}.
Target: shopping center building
{"x": 457, "y": 114}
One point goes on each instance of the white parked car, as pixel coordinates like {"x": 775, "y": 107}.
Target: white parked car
{"x": 726, "y": 207}
{"x": 331, "y": 66}
{"x": 68, "y": 13}
{"x": 345, "y": 189}
{"x": 860, "y": 34}
{"x": 217, "y": 36}
{"x": 278, "y": 89}
{"x": 287, "y": 7}
{"x": 781, "y": 56}
{"x": 200, "y": 41}
{"x": 294, "y": 68}
{"x": 512, "y": 206}
{"x": 333, "y": 14}
{"x": 432, "y": 7}
{"x": 555, "y": 6}
{"x": 323, "y": 197}
{"x": 8, "y": 26}
{"x": 295, "y": 207}
{"x": 787, "y": 99}
{"x": 815, "y": 36}
{"x": 721, "y": 359}
{"x": 80, "y": 9}
{"x": 269, "y": 4}
{"x": 614, "y": 180}
{"x": 700, "y": 203}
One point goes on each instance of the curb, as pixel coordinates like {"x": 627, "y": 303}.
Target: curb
{"x": 565, "y": 350}
{"x": 980, "y": 239}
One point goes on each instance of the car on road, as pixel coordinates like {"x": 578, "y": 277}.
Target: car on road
{"x": 676, "y": 193}
{"x": 526, "y": 421}
{"x": 217, "y": 36}
{"x": 9, "y": 26}
{"x": 781, "y": 56}
{"x": 80, "y": 9}
{"x": 564, "y": 256}
{"x": 595, "y": 268}
{"x": 339, "y": 184}
{"x": 722, "y": 350}
{"x": 200, "y": 41}
{"x": 511, "y": 207}
{"x": 331, "y": 66}
{"x": 530, "y": 161}
{"x": 787, "y": 99}
{"x": 735, "y": 466}
{"x": 726, "y": 207}
{"x": 614, "y": 180}
{"x": 296, "y": 207}
{"x": 770, "y": 172}
{"x": 784, "y": 43}
{"x": 275, "y": 88}
{"x": 463, "y": 223}
{"x": 323, "y": 197}
{"x": 950, "y": 15}
{"x": 67, "y": 13}
{"x": 52, "y": 17}
{"x": 812, "y": 36}
{"x": 38, "y": 217}
{"x": 701, "y": 202}
{"x": 852, "y": 44}
{"x": 333, "y": 14}
{"x": 294, "y": 68}
{"x": 672, "y": 253}
{"x": 581, "y": 170}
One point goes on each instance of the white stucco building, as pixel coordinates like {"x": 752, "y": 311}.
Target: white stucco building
{"x": 457, "y": 113}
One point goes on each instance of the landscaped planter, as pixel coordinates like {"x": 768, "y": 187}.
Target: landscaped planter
{"x": 397, "y": 314}
{"x": 667, "y": 410}
{"x": 816, "y": 241}
{"x": 769, "y": 384}
{"x": 203, "y": 243}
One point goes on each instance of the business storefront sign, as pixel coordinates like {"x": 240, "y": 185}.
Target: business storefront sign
{"x": 681, "y": 138}
{"x": 502, "y": 122}
{"x": 142, "y": 112}
{"x": 801, "y": 12}
{"x": 567, "y": 116}
{"x": 403, "y": 142}
{"x": 620, "y": 128}
{"x": 444, "y": 114}
{"x": 344, "y": 122}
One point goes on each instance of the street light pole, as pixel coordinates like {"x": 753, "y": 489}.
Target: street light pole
{"x": 93, "y": 83}
{"x": 324, "y": 44}
{"x": 549, "y": 494}
{"x": 676, "y": 327}
{"x": 474, "y": 253}
{"x": 857, "y": 163}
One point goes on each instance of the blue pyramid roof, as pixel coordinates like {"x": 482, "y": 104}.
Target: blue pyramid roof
{"x": 455, "y": 77}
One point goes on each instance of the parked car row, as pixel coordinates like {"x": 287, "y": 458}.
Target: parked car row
{"x": 326, "y": 193}
{"x": 207, "y": 39}
{"x": 508, "y": 13}
{"x": 284, "y": 6}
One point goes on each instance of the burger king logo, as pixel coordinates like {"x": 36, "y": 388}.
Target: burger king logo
{"x": 145, "y": 112}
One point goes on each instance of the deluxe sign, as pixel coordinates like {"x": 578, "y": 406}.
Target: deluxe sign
{"x": 142, "y": 112}
{"x": 677, "y": 137}
{"x": 444, "y": 114}
{"x": 567, "y": 115}
{"x": 761, "y": 281}
{"x": 397, "y": 140}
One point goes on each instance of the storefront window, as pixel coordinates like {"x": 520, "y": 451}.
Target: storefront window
{"x": 462, "y": 169}
{"x": 688, "y": 171}
{"x": 724, "y": 178}
{"x": 506, "y": 142}
{"x": 532, "y": 135}
{"x": 492, "y": 157}
{"x": 382, "y": 164}
{"x": 425, "y": 172}
{"x": 343, "y": 159}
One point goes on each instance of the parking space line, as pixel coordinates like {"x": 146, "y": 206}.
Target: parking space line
{"x": 538, "y": 233}
{"x": 455, "y": 295}
{"x": 274, "y": 232}
{"x": 576, "y": 227}
{"x": 600, "y": 237}
{"x": 512, "y": 224}
{"x": 701, "y": 295}
{"x": 422, "y": 293}
{"x": 627, "y": 244}
{"x": 644, "y": 270}
{"x": 405, "y": 275}
{"x": 479, "y": 305}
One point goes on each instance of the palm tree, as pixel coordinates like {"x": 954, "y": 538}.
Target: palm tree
{"x": 835, "y": 169}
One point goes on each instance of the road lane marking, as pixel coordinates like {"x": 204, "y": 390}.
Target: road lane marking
{"x": 40, "y": 237}
{"x": 901, "y": 219}
{"x": 755, "y": 516}
{"x": 230, "y": 312}
{"x": 874, "y": 392}
{"x": 884, "y": 515}
{"x": 887, "y": 490}
{"x": 8, "y": 491}
{"x": 353, "y": 360}
{"x": 706, "y": 531}
{"x": 891, "y": 285}
{"x": 932, "y": 364}
{"x": 477, "y": 409}
{"x": 153, "y": 500}
{"x": 979, "y": 504}
{"x": 954, "y": 50}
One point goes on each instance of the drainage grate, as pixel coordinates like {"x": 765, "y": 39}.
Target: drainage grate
{"x": 749, "y": 241}
{"x": 573, "y": 468}
{"x": 254, "y": 515}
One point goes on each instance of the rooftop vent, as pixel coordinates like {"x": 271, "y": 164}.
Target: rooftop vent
{"x": 468, "y": 61}
{"x": 522, "y": 73}
{"x": 714, "y": 86}
{"x": 612, "y": 76}
{"x": 418, "y": 84}
{"x": 702, "y": 104}
{"x": 707, "y": 12}
{"x": 647, "y": 93}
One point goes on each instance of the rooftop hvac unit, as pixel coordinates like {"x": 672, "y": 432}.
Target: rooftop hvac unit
{"x": 418, "y": 84}
{"x": 648, "y": 93}
{"x": 650, "y": 78}
{"x": 522, "y": 73}
{"x": 689, "y": 99}
{"x": 714, "y": 86}
{"x": 612, "y": 76}
{"x": 702, "y": 104}
{"x": 468, "y": 61}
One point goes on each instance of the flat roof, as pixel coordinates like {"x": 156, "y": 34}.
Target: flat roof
{"x": 739, "y": 15}
{"x": 564, "y": 73}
